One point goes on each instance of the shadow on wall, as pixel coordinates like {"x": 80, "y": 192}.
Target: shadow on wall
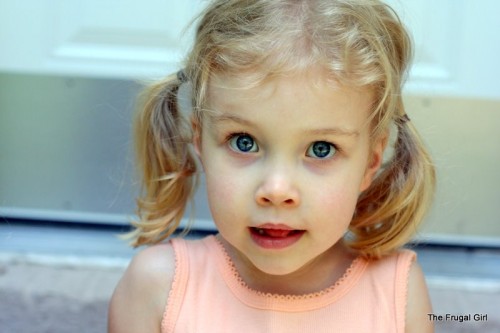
{"x": 66, "y": 148}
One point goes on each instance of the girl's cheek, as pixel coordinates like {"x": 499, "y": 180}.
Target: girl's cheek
{"x": 222, "y": 186}
{"x": 340, "y": 197}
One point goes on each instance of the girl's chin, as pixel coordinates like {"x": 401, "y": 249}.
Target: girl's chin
{"x": 277, "y": 265}
{"x": 261, "y": 263}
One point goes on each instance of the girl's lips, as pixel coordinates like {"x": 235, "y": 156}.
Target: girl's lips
{"x": 275, "y": 237}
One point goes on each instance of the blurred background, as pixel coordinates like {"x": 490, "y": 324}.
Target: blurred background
{"x": 69, "y": 75}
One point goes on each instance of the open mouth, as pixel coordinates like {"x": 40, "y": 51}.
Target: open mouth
{"x": 275, "y": 233}
{"x": 271, "y": 238}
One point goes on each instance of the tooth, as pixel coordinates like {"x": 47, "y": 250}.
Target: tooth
{"x": 260, "y": 231}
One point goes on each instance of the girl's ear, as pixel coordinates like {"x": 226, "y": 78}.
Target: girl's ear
{"x": 195, "y": 124}
{"x": 376, "y": 158}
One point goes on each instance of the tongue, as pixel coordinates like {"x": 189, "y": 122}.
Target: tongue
{"x": 277, "y": 233}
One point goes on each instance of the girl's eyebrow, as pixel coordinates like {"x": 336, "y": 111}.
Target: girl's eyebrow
{"x": 337, "y": 131}
{"x": 223, "y": 117}
{"x": 334, "y": 131}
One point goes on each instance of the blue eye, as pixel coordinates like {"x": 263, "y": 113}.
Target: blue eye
{"x": 321, "y": 149}
{"x": 243, "y": 143}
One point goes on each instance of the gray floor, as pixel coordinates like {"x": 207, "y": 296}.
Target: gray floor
{"x": 61, "y": 278}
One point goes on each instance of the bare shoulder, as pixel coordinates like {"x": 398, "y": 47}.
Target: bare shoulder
{"x": 141, "y": 295}
{"x": 418, "y": 303}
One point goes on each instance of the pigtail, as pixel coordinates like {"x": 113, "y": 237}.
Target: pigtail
{"x": 167, "y": 165}
{"x": 390, "y": 210}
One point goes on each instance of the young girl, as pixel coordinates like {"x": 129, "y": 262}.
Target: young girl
{"x": 293, "y": 102}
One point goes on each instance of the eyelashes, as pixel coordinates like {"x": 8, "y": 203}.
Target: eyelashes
{"x": 244, "y": 143}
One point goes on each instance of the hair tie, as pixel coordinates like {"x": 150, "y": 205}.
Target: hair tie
{"x": 403, "y": 119}
{"x": 181, "y": 76}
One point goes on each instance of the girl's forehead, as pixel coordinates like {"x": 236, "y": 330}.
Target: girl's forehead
{"x": 297, "y": 101}
{"x": 258, "y": 86}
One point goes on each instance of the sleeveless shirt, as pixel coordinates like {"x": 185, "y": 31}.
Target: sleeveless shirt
{"x": 208, "y": 295}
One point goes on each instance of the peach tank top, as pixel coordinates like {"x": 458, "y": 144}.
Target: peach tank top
{"x": 208, "y": 295}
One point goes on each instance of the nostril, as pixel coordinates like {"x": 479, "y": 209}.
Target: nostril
{"x": 268, "y": 201}
{"x": 264, "y": 200}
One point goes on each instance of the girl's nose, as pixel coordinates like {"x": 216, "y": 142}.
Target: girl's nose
{"x": 278, "y": 189}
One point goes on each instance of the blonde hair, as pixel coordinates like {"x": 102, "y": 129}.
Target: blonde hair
{"x": 358, "y": 42}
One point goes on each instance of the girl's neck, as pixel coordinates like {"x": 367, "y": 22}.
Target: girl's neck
{"x": 315, "y": 276}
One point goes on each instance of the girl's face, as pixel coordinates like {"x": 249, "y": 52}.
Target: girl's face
{"x": 285, "y": 163}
